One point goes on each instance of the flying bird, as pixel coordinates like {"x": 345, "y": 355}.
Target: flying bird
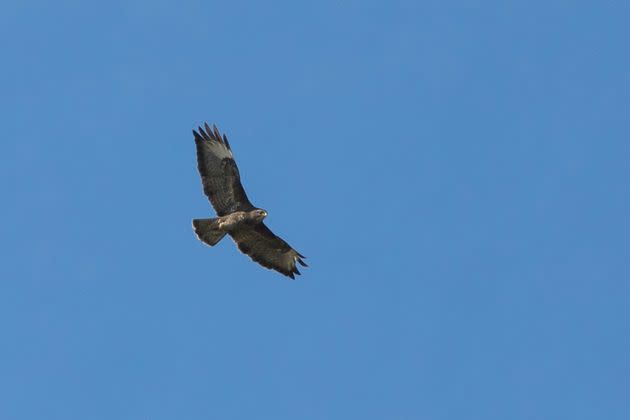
{"x": 237, "y": 216}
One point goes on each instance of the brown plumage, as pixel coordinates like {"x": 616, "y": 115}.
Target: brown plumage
{"x": 238, "y": 217}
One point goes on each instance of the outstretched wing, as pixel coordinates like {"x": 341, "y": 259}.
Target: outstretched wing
{"x": 219, "y": 174}
{"x": 267, "y": 249}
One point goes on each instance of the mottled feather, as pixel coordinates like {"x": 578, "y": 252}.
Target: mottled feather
{"x": 268, "y": 250}
{"x": 219, "y": 173}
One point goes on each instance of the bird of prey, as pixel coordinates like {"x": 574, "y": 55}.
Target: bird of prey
{"x": 237, "y": 216}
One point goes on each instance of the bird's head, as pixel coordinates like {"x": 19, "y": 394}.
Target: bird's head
{"x": 259, "y": 214}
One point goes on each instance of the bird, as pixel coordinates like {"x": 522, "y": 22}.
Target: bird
{"x": 237, "y": 216}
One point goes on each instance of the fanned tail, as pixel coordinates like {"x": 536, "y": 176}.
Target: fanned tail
{"x": 208, "y": 231}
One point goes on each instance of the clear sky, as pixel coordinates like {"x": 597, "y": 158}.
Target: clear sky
{"x": 456, "y": 173}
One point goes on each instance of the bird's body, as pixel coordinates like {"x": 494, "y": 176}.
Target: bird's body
{"x": 237, "y": 216}
{"x": 238, "y": 220}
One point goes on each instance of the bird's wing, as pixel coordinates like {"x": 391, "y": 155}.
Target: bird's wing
{"x": 219, "y": 174}
{"x": 267, "y": 249}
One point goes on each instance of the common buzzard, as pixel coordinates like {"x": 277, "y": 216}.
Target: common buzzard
{"x": 238, "y": 217}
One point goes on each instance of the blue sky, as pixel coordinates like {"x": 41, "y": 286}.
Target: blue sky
{"x": 455, "y": 172}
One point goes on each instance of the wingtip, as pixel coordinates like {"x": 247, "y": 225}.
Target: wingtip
{"x": 198, "y": 137}
{"x": 217, "y": 135}
{"x": 211, "y": 134}
{"x": 227, "y": 143}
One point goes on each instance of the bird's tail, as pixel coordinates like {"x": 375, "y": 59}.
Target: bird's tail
{"x": 208, "y": 231}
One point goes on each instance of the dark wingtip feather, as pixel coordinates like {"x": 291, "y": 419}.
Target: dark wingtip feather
{"x": 227, "y": 143}
{"x": 211, "y": 134}
{"x": 302, "y": 263}
{"x": 291, "y": 275}
{"x": 209, "y": 131}
{"x": 217, "y": 135}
